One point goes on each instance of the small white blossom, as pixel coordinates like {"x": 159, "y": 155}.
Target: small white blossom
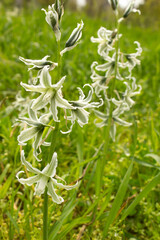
{"x": 50, "y": 93}
{"x": 39, "y": 64}
{"x": 79, "y": 113}
{"x": 44, "y": 178}
{"x": 115, "y": 118}
{"x": 35, "y": 131}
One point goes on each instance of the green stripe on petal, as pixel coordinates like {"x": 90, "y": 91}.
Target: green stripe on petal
{"x": 27, "y": 134}
{"x": 60, "y": 185}
{"x": 33, "y": 88}
{"x": 52, "y": 166}
{"x": 28, "y": 165}
{"x": 40, "y": 186}
{"x": 39, "y": 102}
{"x": 29, "y": 181}
{"x": 51, "y": 191}
{"x": 45, "y": 78}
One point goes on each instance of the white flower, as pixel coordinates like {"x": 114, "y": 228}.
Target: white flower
{"x": 131, "y": 91}
{"x": 44, "y": 178}
{"x": 39, "y": 64}
{"x": 79, "y": 113}
{"x": 36, "y": 130}
{"x": 50, "y": 93}
{"x": 132, "y": 60}
{"x": 74, "y": 38}
{"x": 99, "y": 82}
{"x": 52, "y": 18}
{"x": 109, "y": 66}
{"x": 105, "y": 40}
{"x": 115, "y": 118}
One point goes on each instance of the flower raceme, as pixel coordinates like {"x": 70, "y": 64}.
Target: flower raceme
{"x": 44, "y": 178}
{"x": 116, "y": 67}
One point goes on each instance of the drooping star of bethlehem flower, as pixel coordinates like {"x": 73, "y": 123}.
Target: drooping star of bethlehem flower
{"x": 106, "y": 40}
{"x": 50, "y": 93}
{"x": 35, "y": 131}
{"x": 44, "y": 178}
{"x": 130, "y": 91}
{"x": 39, "y": 64}
{"x": 79, "y": 113}
{"x": 115, "y": 118}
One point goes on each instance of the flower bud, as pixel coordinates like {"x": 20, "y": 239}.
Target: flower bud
{"x": 52, "y": 19}
{"x": 59, "y": 9}
{"x": 114, "y": 4}
{"x": 74, "y": 38}
{"x": 130, "y": 9}
{"x": 75, "y": 35}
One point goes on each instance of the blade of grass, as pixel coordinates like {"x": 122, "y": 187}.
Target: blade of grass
{"x": 118, "y": 200}
{"x": 66, "y": 212}
{"x": 143, "y": 194}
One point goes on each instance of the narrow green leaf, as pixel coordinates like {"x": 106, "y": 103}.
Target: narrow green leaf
{"x": 66, "y": 212}
{"x": 142, "y": 194}
{"x": 2, "y": 176}
{"x": 6, "y": 185}
{"x": 154, "y": 156}
{"x": 145, "y": 164}
{"x": 118, "y": 200}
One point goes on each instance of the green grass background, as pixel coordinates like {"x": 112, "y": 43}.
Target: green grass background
{"x": 27, "y": 34}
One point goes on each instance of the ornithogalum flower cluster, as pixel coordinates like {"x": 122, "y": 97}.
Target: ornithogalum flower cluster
{"x": 115, "y": 71}
{"x": 43, "y": 109}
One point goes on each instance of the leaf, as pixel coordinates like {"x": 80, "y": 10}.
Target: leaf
{"x": 6, "y": 185}
{"x": 118, "y": 200}
{"x": 142, "y": 194}
{"x": 2, "y": 176}
{"x": 66, "y": 212}
{"x": 154, "y": 156}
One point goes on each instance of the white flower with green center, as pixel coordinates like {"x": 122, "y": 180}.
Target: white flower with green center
{"x": 109, "y": 66}
{"x": 99, "y": 82}
{"x": 115, "y": 118}
{"x": 50, "y": 93}
{"x": 52, "y": 18}
{"x": 79, "y": 113}
{"x": 39, "y": 64}
{"x": 131, "y": 91}
{"x": 105, "y": 39}
{"x": 74, "y": 38}
{"x": 44, "y": 178}
{"x": 35, "y": 131}
{"x": 132, "y": 60}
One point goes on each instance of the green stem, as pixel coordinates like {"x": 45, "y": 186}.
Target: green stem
{"x": 101, "y": 162}
{"x": 54, "y": 136}
{"x": 45, "y": 215}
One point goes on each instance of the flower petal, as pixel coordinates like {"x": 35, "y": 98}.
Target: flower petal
{"x": 40, "y": 186}
{"x": 28, "y": 165}
{"x": 27, "y": 134}
{"x": 55, "y": 198}
{"x": 60, "y": 185}
{"x": 29, "y": 181}
{"x": 45, "y": 78}
{"x": 51, "y": 171}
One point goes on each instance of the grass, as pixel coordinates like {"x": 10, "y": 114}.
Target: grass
{"x": 134, "y": 215}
